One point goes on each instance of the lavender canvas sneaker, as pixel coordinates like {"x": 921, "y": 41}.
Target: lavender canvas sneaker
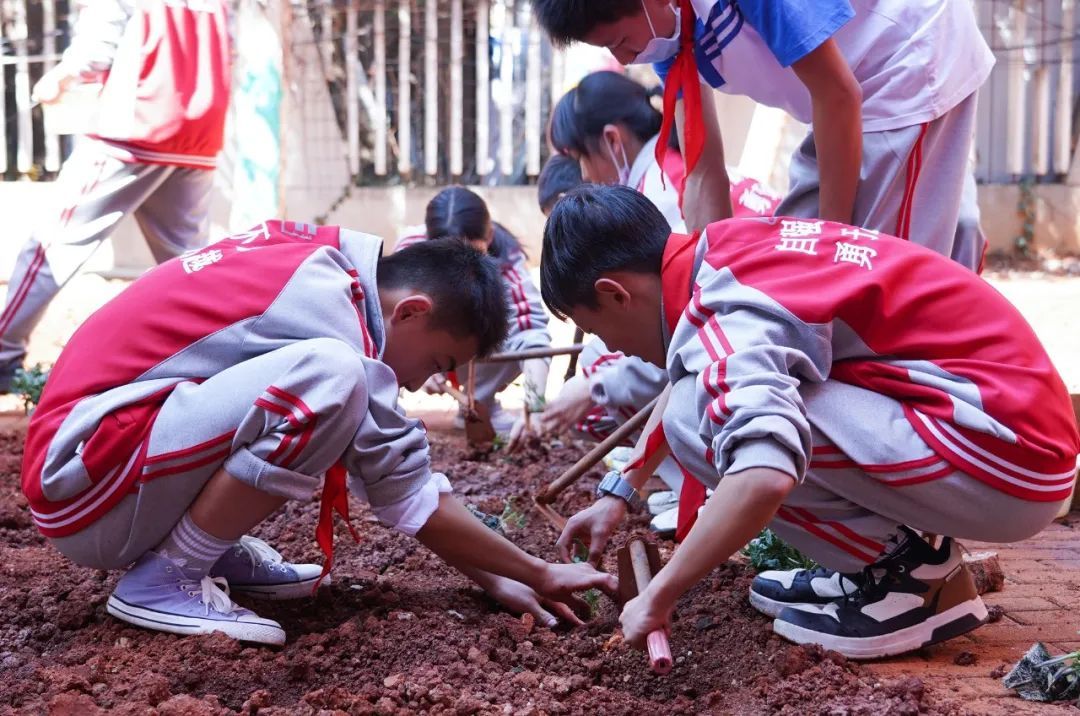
{"x": 256, "y": 569}
{"x": 157, "y": 594}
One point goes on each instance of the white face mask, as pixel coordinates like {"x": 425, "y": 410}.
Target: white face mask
{"x": 623, "y": 168}
{"x": 659, "y": 48}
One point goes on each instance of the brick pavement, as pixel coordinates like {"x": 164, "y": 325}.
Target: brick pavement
{"x": 1041, "y": 599}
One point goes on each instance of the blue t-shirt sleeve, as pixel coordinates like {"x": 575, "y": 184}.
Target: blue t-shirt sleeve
{"x": 662, "y": 68}
{"x": 794, "y": 28}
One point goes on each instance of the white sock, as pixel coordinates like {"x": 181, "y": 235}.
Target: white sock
{"x": 192, "y": 548}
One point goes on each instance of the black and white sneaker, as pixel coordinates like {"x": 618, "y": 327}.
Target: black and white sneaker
{"x": 915, "y": 596}
{"x": 774, "y": 590}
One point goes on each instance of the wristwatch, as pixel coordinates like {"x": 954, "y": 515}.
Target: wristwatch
{"x": 613, "y": 484}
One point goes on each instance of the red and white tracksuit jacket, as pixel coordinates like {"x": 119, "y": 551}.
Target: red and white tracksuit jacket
{"x": 622, "y": 385}
{"x": 191, "y": 318}
{"x": 166, "y": 66}
{"x": 760, "y": 306}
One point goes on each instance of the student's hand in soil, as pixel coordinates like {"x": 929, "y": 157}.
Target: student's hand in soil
{"x": 570, "y": 407}
{"x": 593, "y": 526}
{"x": 641, "y": 616}
{"x": 519, "y": 598}
{"x": 520, "y": 432}
{"x": 559, "y": 582}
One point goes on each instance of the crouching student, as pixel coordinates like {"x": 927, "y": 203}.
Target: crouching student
{"x": 825, "y": 394}
{"x": 460, "y": 214}
{"x": 225, "y": 382}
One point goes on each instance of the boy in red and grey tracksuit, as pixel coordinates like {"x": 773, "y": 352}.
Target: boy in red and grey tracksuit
{"x": 613, "y": 387}
{"x": 223, "y": 383}
{"x": 528, "y": 329}
{"x": 821, "y": 391}
{"x": 152, "y": 149}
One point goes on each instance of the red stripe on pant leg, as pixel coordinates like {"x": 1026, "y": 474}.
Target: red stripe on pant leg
{"x": 936, "y": 475}
{"x": 783, "y": 514}
{"x": 284, "y": 444}
{"x": 39, "y": 258}
{"x": 305, "y": 438}
{"x": 909, "y": 175}
{"x": 221, "y": 455}
{"x": 842, "y": 529}
{"x": 903, "y": 220}
{"x": 278, "y": 410}
{"x": 176, "y": 454}
{"x": 291, "y": 399}
{"x": 24, "y": 288}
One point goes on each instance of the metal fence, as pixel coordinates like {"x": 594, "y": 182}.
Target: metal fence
{"x": 434, "y": 91}
{"x": 439, "y": 90}
{"x": 33, "y": 33}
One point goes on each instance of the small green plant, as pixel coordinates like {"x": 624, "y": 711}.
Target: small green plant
{"x": 592, "y": 598}
{"x": 512, "y": 517}
{"x": 28, "y": 384}
{"x": 767, "y": 551}
{"x": 535, "y": 401}
{"x": 1041, "y": 677}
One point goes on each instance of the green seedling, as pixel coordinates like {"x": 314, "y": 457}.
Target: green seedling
{"x": 767, "y": 551}
{"x": 592, "y": 598}
{"x": 512, "y": 517}
{"x": 1040, "y": 677}
{"x": 535, "y": 400}
{"x": 28, "y": 384}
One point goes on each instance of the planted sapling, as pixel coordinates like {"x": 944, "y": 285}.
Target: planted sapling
{"x": 28, "y": 384}
{"x": 767, "y": 551}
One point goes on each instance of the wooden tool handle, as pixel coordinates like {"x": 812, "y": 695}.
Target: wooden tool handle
{"x": 657, "y": 641}
{"x": 528, "y": 353}
{"x": 595, "y": 455}
{"x": 456, "y": 395}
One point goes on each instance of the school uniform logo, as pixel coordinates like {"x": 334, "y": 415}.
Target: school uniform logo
{"x": 197, "y": 262}
{"x": 799, "y": 236}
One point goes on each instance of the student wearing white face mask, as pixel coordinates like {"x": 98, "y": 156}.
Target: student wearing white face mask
{"x": 888, "y": 88}
{"x": 609, "y": 125}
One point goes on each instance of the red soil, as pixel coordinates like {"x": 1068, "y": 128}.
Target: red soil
{"x": 399, "y": 632}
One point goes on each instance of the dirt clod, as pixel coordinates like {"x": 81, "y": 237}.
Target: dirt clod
{"x": 986, "y": 570}
{"x": 965, "y": 658}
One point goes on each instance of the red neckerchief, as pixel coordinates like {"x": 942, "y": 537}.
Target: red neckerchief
{"x": 335, "y": 497}
{"x": 677, "y": 280}
{"x": 683, "y": 77}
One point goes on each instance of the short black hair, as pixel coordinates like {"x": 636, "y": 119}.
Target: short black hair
{"x": 594, "y": 230}
{"x": 567, "y": 21}
{"x": 559, "y": 175}
{"x": 465, "y": 285}
{"x": 600, "y": 99}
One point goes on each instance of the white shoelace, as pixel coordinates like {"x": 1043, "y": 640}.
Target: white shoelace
{"x": 215, "y": 594}
{"x": 259, "y": 552}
